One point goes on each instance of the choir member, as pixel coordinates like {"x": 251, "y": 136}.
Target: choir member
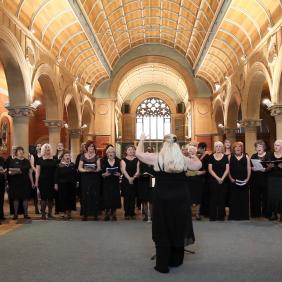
{"x": 2, "y": 187}
{"x": 275, "y": 181}
{"x": 130, "y": 171}
{"x": 33, "y": 192}
{"x": 218, "y": 168}
{"x": 89, "y": 168}
{"x": 77, "y": 160}
{"x": 110, "y": 166}
{"x": 227, "y": 147}
{"x": 196, "y": 180}
{"x": 227, "y": 152}
{"x": 259, "y": 176}
{"x": 65, "y": 184}
{"x": 20, "y": 174}
{"x": 59, "y": 151}
{"x": 170, "y": 201}
{"x": 239, "y": 174}
{"x": 145, "y": 189}
{"x": 45, "y": 176}
{"x": 184, "y": 150}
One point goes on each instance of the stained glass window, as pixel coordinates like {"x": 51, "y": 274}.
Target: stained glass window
{"x": 153, "y": 118}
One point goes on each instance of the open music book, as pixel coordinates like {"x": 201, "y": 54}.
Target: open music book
{"x": 112, "y": 170}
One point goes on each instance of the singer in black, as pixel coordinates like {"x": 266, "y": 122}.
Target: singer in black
{"x": 89, "y": 168}
{"x": 111, "y": 193}
{"x": 170, "y": 206}
{"x": 239, "y": 174}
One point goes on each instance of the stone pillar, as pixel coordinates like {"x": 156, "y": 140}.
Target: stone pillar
{"x": 230, "y": 134}
{"x": 250, "y": 133}
{"x": 21, "y": 115}
{"x": 74, "y": 142}
{"x": 276, "y": 112}
{"x": 54, "y": 127}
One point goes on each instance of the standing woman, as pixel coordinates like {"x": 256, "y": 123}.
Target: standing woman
{"x": 2, "y": 187}
{"x": 227, "y": 147}
{"x": 275, "y": 181}
{"x": 110, "y": 166}
{"x": 218, "y": 169}
{"x": 239, "y": 174}
{"x": 65, "y": 184}
{"x": 45, "y": 176}
{"x": 170, "y": 200}
{"x": 20, "y": 173}
{"x": 89, "y": 168}
{"x": 130, "y": 170}
{"x": 58, "y": 156}
{"x": 259, "y": 182}
{"x": 227, "y": 152}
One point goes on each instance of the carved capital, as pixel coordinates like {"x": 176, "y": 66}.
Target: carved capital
{"x": 250, "y": 123}
{"x": 20, "y": 111}
{"x": 75, "y": 132}
{"x": 54, "y": 123}
{"x": 230, "y": 131}
{"x": 276, "y": 110}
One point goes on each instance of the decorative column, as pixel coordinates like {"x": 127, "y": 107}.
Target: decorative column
{"x": 276, "y": 112}
{"x": 21, "y": 115}
{"x": 75, "y": 135}
{"x": 250, "y": 126}
{"x": 230, "y": 133}
{"x": 54, "y": 127}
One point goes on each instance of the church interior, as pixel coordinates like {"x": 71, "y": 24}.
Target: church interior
{"x": 108, "y": 70}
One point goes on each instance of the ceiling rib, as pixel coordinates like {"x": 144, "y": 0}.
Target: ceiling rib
{"x": 89, "y": 32}
{"x": 211, "y": 35}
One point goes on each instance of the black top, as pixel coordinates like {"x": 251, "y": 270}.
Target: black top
{"x": 65, "y": 173}
{"x": 47, "y": 169}
{"x": 3, "y": 165}
{"x": 146, "y": 168}
{"x": 87, "y": 161}
{"x": 218, "y": 166}
{"x": 266, "y": 157}
{"x": 23, "y": 165}
{"x": 238, "y": 168}
{"x": 205, "y": 162}
{"x": 105, "y": 164}
{"x": 131, "y": 166}
{"x": 275, "y": 171}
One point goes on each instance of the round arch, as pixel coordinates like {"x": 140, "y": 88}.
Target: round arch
{"x": 256, "y": 77}
{"x": 218, "y": 114}
{"x": 87, "y": 115}
{"x": 232, "y": 109}
{"x": 186, "y": 76}
{"x": 15, "y": 68}
{"x": 45, "y": 75}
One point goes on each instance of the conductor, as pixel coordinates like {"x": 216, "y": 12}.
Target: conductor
{"x": 170, "y": 208}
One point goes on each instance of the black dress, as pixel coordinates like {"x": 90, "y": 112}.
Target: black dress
{"x": 111, "y": 190}
{"x": 239, "y": 195}
{"x": 47, "y": 178}
{"x": 217, "y": 191}
{"x": 204, "y": 209}
{"x": 258, "y": 191}
{"x": 65, "y": 177}
{"x": 2, "y": 189}
{"x": 145, "y": 189}
{"x": 129, "y": 190}
{"x": 19, "y": 184}
{"x": 172, "y": 223}
{"x": 90, "y": 189}
{"x": 275, "y": 187}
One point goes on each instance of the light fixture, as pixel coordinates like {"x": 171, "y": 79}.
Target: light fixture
{"x": 226, "y": 77}
{"x": 32, "y": 31}
{"x": 269, "y": 28}
{"x": 66, "y": 125}
{"x": 238, "y": 124}
{"x": 217, "y": 86}
{"x": 243, "y": 58}
{"x": 83, "y": 126}
{"x": 35, "y": 104}
{"x": 59, "y": 59}
{"x": 88, "y": 87}
{"x": 267, "y": 102}
{"x": 7, "y": 104}
{"x": 220, "y": 125}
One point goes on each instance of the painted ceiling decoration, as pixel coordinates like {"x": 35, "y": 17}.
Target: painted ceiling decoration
{"x": 89, "y": 36}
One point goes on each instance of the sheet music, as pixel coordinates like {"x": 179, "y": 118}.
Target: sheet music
{"x": 257, "y": 166}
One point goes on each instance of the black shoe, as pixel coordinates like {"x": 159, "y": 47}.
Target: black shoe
{"x": 114, "y": 218}
{"x": 50, "y": 216}
{"x": 198, "y": 217}
{"x": 126, "y": 218}
{"x": 96, "y": 218}
{"x": 26, "y": 217}
{"x": 161, "y": 270}
{"x": 85, "y": 218}
{"x": 43, "y": 217}
{"x": 37, "y": 211}
{"x": 145, "y": 218}
{"x": 107, "y": 218}
{"x": 15, "y": 217}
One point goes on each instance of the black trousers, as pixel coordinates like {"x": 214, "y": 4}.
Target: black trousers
{"x": 258, "y": 195}
{"x": 217, "y": 200}
{"x": 129, "y": 194}
{"x": 168, "y": 256}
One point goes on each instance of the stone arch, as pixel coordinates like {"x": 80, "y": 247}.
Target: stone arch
{"x": 87, "y": 116}
{"x": 45, "y": 75}
{"x": 232, "y": 109}
{"x": 277, "y": 79}
{"x": 218, "y": 114}
{"x": 186, "y": 76}
{"x": 256, "y": 77}
{"x": 15, "y": 68}
{"x": 146, "y": 95}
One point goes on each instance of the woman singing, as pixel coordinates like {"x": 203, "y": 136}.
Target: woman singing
{"x": 170, "y": 200}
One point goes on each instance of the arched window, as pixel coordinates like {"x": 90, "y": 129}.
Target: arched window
{"x": 153, "y": 118}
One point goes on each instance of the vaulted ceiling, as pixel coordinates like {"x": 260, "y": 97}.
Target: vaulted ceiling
{"x": 90, "y": 36}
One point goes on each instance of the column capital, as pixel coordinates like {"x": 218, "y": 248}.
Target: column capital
{"x": 54, "y": 123}
{"x": 230, "y": 130}
{"x": 276, "y": 110}
{"x": 247, "y": 123}
{"x": 20, "y": 111}
{"x": 75, "y": 132}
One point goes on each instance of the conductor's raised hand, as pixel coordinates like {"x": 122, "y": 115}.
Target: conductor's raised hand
{"x": 142, "y": 136}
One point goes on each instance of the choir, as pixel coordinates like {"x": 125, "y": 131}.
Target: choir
{"x": 229, "y": 185}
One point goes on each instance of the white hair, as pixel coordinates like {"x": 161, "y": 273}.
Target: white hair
{"x": 110, "y": 149}
{"x": 170, "y": 157}
{"x": 279, "y": 142}
{"x": 218, "y": 143}
{"x": 44, "y": 147}
{"x": 192, "y": 148}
